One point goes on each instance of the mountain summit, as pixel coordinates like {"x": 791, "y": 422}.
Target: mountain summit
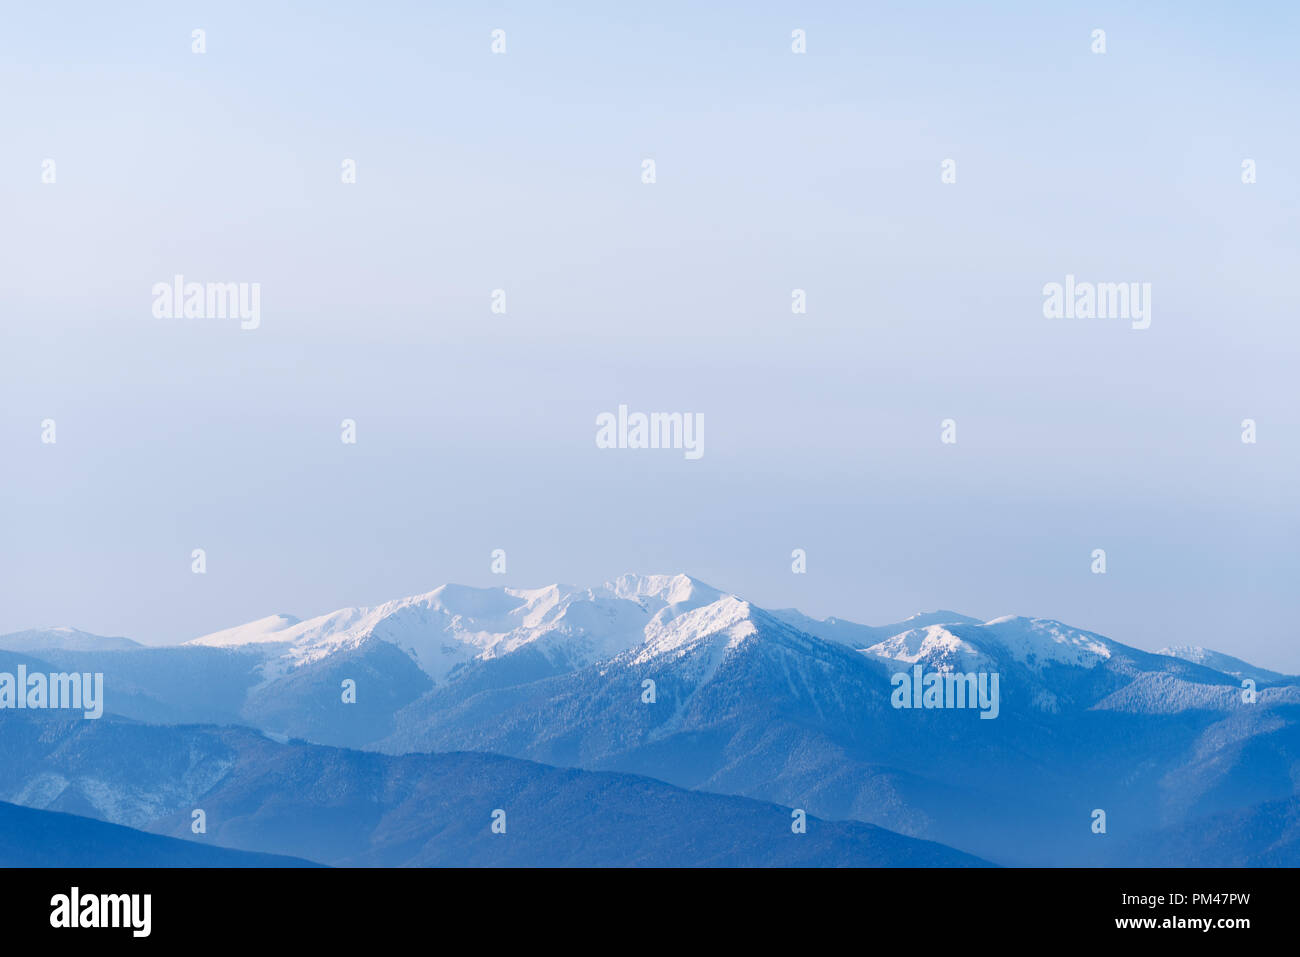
{"x": 453, "y": 625}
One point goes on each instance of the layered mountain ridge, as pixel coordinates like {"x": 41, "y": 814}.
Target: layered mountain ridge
{"x": 667, "y": 677}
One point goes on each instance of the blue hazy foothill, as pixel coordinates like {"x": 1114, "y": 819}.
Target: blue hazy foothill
{"x": 354, "y": 808}
{"x": 32, "y": 838}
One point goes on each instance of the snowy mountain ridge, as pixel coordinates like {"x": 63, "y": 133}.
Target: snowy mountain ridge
{"x": 454, "y": 624}
{"x": 569, "y": 626}
{"x": 574, "y": 626}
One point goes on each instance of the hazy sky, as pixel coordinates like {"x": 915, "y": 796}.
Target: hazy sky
{"x": 775, "y": 171}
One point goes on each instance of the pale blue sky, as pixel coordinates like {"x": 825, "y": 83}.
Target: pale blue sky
{"x": 775, "y": 171}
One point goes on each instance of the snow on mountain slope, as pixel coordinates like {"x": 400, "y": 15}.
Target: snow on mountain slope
{"x": 455, "y": 624}
{"x": 682, "y": 591}
{"x": 1221, "y": 662}
{"x": 264, "y": 629}
{"x": 62, "y": 638}
{"x": 934, "y": 646}
{"x": 729, "y": 615}
{"x": 1040, "y": 641}
{"x": 1032, "y": 642}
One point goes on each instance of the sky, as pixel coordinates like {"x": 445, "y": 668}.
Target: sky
{"x": 774, "y": 171}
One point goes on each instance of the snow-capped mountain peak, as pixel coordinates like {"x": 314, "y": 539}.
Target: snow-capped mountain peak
{"x": 263, "y": 629}
{"x": 1041, "y": 641}
{"x": 729, "y": 618}
{"x": 935, "y": 646}
{"x": 1032, "y": 642}
{"x": 679, "y": 590}
{"x": 454, "y": 624}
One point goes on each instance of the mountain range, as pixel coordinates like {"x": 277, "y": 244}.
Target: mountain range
{"x": 664, "y": 678}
